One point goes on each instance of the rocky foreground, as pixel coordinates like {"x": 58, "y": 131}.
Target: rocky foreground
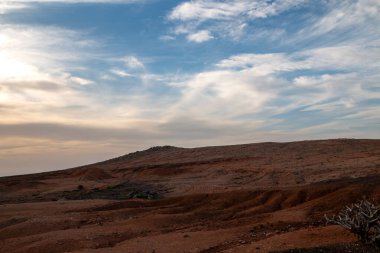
{"x": 266, "y": 197}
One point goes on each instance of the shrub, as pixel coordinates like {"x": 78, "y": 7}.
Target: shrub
{"x": 362, "y": 219}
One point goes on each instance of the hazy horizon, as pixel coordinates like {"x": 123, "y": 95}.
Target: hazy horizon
{"x": 91, "y": 160}
{"x": 82, "y": 81}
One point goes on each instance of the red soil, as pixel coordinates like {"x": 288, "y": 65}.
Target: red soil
{"x": 90, "y": 174}
{"x": 243, "y": 198}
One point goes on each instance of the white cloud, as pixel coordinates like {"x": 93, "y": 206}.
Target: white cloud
{"x": 14, "y": 5}
{"x": 167, "y": 37}
{"x": 342, "y": 20}
{"x": 226, "y": 17}
{"x": 120, "y": 73}
{"x": 333, "y": 106}
{"x": 258, "y": 85}
{"x": 222, "y": 94}
{"x": 6, "y": 6}
{"x": 40, "y": 53}
{"x": 132, "y": 62}
{"x": 39, "y": 77}
{"x": 202, "y": 10}
{"x": 244, "y": 84}
{"x": 127, "y": 66}
{"x": 80, "y": 80}
{"x": 352, "y": 21}
{"x": 199, "y": 37}
{"x": 243, "y": 98}
{"x": 265, "y": 63}
{"x": 348, "y": 57}
{"x": 347, "y": 14}
{"x": 70, "y": 1}
{"x": 16, "y": 69}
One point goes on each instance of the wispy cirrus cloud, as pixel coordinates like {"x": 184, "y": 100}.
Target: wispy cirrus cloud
{"x": 37, "y": 66}
{"x": 132, "y": 62}
{"x": 238, "y": 18}
{"x": 200, "y": 36}
{"x": 40, "y": 52}
{"x": 345, "y": 22}
{"x": 347, "y": 15}
{"x": 16, "y": 5}
{"x": 6, "y": 6}
{"x": 224, "y": 18}
{"x": 72, "y": 1}
{"x": 329, "y": 83}
{"x": 43, "y": 76}
{"x": 203, "y": 10}
{"x": 345, "y": 57}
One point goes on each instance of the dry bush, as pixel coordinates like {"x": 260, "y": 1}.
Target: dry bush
{"x": 362, "y": 219}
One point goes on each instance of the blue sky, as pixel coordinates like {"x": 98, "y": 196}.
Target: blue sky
{"x": 86, "y": 80}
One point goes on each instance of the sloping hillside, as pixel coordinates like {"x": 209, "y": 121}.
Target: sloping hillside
{"x": 241, "y": 198}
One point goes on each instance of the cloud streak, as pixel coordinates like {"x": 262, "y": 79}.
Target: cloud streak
{"x": 225, "y": 17}
{"x": 7, "y": 6}
{"x": 39, "y": 52}
{"x": 203, "y": 10}
{"x": 200, "y": 36}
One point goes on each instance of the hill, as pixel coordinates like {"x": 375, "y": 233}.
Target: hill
{"x": 241, "y": 198}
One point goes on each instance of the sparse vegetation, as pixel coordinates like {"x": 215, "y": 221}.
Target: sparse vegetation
{"x": 339, "y": 248}
{"x": 143, "y": 195}
{"x": 124, "y": 190}
{"x": 362, "y": 219}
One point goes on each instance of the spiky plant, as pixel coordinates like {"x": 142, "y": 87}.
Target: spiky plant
{"x": 362, "y": 219}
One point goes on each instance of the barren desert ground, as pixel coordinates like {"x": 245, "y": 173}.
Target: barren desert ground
{"x": 265, "y": 197}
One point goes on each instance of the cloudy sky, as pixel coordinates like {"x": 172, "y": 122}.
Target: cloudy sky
{"x": 86, "y": 80}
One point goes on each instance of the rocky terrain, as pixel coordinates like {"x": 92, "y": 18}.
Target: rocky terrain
{"x": 265, "y": 197}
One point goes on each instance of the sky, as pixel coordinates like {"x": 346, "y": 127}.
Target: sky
{"x": 82, "y": 81}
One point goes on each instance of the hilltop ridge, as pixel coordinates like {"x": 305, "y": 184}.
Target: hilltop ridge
{"x": 258, "y": 197}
